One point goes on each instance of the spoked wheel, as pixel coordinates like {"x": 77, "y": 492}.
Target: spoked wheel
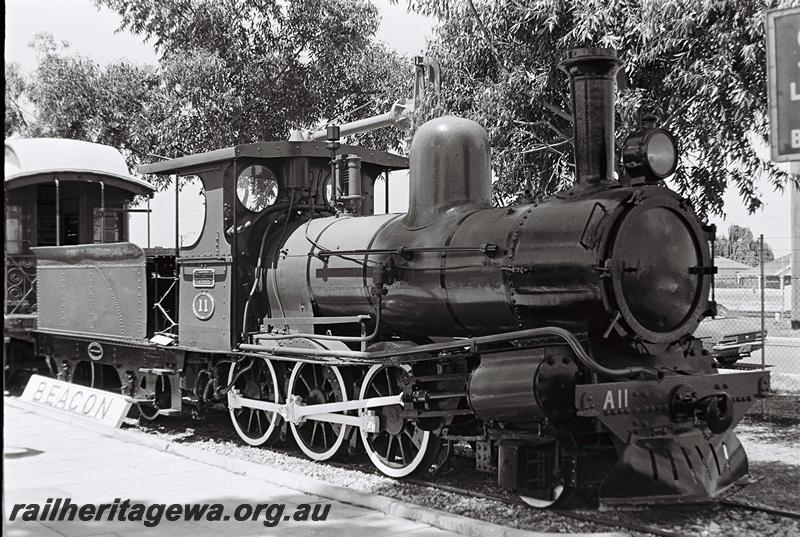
{"x": 318, "y": 384}
{"x": 399, "y": 448}
{"x": 255, "y": 379}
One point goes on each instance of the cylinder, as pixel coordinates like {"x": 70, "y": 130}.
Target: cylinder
{"x": 450, "y": 168}
{"x": 522, "y": 386}
{"x": 592, "y": 72}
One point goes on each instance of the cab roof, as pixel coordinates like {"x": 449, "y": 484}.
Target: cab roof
{"x": 381, "y": 159}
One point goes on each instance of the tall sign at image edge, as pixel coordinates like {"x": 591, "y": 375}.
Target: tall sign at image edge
{"x": 783, "y": 81}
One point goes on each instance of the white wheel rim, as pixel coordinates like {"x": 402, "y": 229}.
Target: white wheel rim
{"x": 144, "y": 414}
{"x": 538, "y": 503}
{"x": 310, "y": 453}
{"x": 272, "y": 422}
{"x": 391, "y": 471}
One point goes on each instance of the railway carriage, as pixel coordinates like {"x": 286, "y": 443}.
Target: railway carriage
{"x": 58, "y": 192}
{"x": 555, "y": 337}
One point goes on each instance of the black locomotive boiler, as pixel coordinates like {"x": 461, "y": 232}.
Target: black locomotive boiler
{"x": 555, "y": 337}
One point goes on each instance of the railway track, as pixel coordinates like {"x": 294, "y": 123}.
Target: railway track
{"x": 762, "y": 509}
{"x": 663, "y": 522}
{"x": 612, "y": 519}
{"x": 596, "y": 518}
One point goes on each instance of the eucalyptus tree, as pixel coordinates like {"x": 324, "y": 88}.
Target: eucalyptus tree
{"x": 740, "y": 245}
{"x": 236, "y": 71}
{"x": 229, "y": 72}
{"x": 699, "y": 65}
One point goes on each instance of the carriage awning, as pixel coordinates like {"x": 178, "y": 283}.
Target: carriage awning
{"x": 37, "y": 160}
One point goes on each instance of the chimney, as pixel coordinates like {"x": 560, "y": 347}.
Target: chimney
{"x": 592, "y": 72}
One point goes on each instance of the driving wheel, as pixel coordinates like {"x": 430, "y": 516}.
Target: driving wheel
{"x": 399, "y": 448}
{"x": 315, "y": 384}
{"x": 255, "y": 379}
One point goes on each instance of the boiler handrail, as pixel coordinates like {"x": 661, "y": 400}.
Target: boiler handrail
{"x": 378, "y": 356}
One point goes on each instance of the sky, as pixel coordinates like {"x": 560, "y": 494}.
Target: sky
{"x": 92, "y": 32}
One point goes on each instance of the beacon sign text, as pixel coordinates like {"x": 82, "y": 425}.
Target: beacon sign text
{"x": 95, "y": 405}
{"x": 783, "y": 74}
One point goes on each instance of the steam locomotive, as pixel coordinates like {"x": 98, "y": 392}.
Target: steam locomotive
{"x": 554, "y": 337}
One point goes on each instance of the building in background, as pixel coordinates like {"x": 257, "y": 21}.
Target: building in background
{"x": 777, "y": 273}
{"x": 728, "y": 270}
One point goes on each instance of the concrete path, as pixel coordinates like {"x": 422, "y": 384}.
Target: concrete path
{"x": 44, "y": 458}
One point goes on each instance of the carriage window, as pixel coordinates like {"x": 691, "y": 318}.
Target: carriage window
{"x": 257, "y": 187}
{"x": 14, "y": 229}
{"x": 45, "y": 215}
{"x": 108, "y": 228}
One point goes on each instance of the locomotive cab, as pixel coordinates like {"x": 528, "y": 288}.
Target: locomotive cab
{"x": 255, "y": 195}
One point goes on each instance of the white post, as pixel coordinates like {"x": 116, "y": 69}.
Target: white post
{"x": 795, "y": 245}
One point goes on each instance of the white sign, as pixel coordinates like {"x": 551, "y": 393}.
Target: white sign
{"x": 95, "y": 405}
{"x": 783, "y": 83}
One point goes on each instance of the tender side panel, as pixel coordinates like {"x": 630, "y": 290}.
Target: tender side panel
{"x": 95, "y": 289}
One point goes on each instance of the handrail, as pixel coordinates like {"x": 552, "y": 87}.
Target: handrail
{"x": 472, "y": 343}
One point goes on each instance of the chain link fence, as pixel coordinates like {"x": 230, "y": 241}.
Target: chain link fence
{"x": 751, "y": 300}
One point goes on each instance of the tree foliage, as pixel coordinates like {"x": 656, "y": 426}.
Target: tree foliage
{"x": 699, "y": 65}
{"x": 229, "y": 72}
{"x": 74, "y": 97}
{"x": 15, "y": 86}
{"x": 741, "y": 246}
{"x": 237, "y": 71}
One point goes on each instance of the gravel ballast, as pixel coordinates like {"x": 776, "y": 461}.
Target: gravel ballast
{"x": 772, "y": 446}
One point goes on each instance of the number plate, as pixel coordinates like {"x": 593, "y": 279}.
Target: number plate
{"x": 203, "y": 305}
{"x": 744, "y": 349}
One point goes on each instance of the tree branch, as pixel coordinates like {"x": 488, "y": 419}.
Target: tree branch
{"x": 557, "y": 111}
{"x": 487, "y": 35}
{"x": 544, "y": 123}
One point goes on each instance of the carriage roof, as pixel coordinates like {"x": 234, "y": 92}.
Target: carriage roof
{"x": 38, "y": 160}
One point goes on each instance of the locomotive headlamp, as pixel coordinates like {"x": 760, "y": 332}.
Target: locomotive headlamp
{"x": 652, "y": 154}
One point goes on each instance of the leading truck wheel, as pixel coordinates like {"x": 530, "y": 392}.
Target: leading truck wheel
{"x": 399, "y": 448}
{"x": 556, "y": 492}
{"x": 255, "y": 379}
{"x": 316, "y": 384}
{"x": 560, "y": 497}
